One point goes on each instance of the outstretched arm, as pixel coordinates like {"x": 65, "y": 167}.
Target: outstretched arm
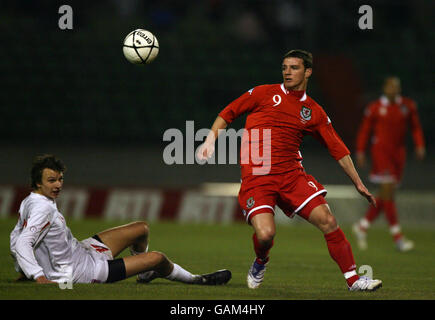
{"x": 326, "y": 134}
{"x": 417, "y": 134}
{"x": 245, "y": 103}
{"x": 363, "y": 136}
{"x": 346, "y": 164}
{"x": 206, "y": 150}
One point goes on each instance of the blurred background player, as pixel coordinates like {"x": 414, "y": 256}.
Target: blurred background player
{"x": 287, "y": 113}
{"x": 386, "y": 121}
{"x": 45, "y": 250}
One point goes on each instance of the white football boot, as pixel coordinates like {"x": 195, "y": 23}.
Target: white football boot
{"x": 361, "y": 236}
{"x": 404, "y": 244}
{"x": 256, "y": 275}
{"x": 366, "y": 284}
{"x": 147, "y": 276}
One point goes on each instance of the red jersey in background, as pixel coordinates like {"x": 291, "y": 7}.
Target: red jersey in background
{"x": 387, "y": 123}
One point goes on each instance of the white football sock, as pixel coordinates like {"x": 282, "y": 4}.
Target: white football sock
{"x": 364, "y": 223}
{"x": 179, "y": 274}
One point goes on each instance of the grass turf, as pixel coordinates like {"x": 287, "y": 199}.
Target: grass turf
{"x": 300, "y": 265}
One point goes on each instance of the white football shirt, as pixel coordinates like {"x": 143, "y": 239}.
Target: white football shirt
{"x": 42, "y": 244}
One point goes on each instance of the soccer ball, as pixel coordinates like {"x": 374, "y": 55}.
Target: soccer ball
{"x": 140, "y": 47}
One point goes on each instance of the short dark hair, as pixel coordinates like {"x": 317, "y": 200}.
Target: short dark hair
{"x": 389, "y": 77}
{"x": 306, "y": 56}
{"x": 45, "y": 161}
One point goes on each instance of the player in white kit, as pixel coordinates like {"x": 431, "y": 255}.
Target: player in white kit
{"x": 45, "y": 250}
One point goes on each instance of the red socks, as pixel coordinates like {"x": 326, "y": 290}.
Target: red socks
{"x": 261, "y": 250}
{"x": 341, "y": 252}
{"x": 389, "y": 207}
{"x": 373, "y": 212}
{"x": 393, "y": 221}
{"x": 338, "y": 246}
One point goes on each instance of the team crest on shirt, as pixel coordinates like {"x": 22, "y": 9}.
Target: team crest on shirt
{"x": 305, "y": 113}
{"x": 404, "y": 109}
{"x": 250, "y": 202}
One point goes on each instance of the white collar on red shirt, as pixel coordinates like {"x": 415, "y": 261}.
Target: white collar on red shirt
{"x": 304, "y": 97}
{"x": 386, "y": 102}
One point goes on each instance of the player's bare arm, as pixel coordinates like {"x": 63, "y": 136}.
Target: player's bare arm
{"x": 361, "y": 159}
{"x": 347, "y": 164}
{"x": 206, "y": 150}
{"x": 43, "y": 280}
{"x": 420, "y": 153}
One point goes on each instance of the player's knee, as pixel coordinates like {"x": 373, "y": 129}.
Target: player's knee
{"x": 141, "y": 228}
{"x": 158, "y": 258}
{"x": 331, "y": 222}
{"x": 386, "y": 191}
{"x": 328, "y": 223}
{"x": 265, "y": 235}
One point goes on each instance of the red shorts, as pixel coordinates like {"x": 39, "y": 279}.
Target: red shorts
{"x": 387, "y": 166}
{"x": 295, "y": 192}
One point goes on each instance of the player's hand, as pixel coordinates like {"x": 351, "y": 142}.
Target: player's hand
{"x": 205, "y": 151}
{"x": 43, "y": 280}
{"x": 360, "y": 159}
{"x": 365, "y": 192}
{"x": 420, "y": 153}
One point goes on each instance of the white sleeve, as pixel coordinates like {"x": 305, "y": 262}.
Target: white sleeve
{"x": 57, "y": 243}
{"x": 38, "y": 224}
{"x": 13, "y": 237}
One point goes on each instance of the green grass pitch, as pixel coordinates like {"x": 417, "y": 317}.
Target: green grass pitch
{"x": 300, "y": 265}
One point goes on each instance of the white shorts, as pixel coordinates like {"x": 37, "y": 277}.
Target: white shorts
{"x": 93, "y": 263}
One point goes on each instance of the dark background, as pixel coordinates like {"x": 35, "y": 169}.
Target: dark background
{"x": 72, "y": 92}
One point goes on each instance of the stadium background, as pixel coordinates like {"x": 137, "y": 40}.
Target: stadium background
{"x": 73, "y": 94}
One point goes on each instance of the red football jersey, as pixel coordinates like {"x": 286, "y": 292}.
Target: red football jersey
{"x": 389, "y": 123}
{"x": 277, "y": 121}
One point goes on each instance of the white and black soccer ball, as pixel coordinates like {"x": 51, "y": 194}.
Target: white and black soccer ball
{"x": 140, "y": 47}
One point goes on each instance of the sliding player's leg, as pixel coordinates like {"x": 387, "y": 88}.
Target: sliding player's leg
{"x": 148, "y": 265}
{"x": 161, "y": 267}
{"x": 133, "y": 235}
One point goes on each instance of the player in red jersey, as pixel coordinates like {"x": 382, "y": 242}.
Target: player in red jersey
{"x": 388, "y": 119}
{"x": 279, "y": 115}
